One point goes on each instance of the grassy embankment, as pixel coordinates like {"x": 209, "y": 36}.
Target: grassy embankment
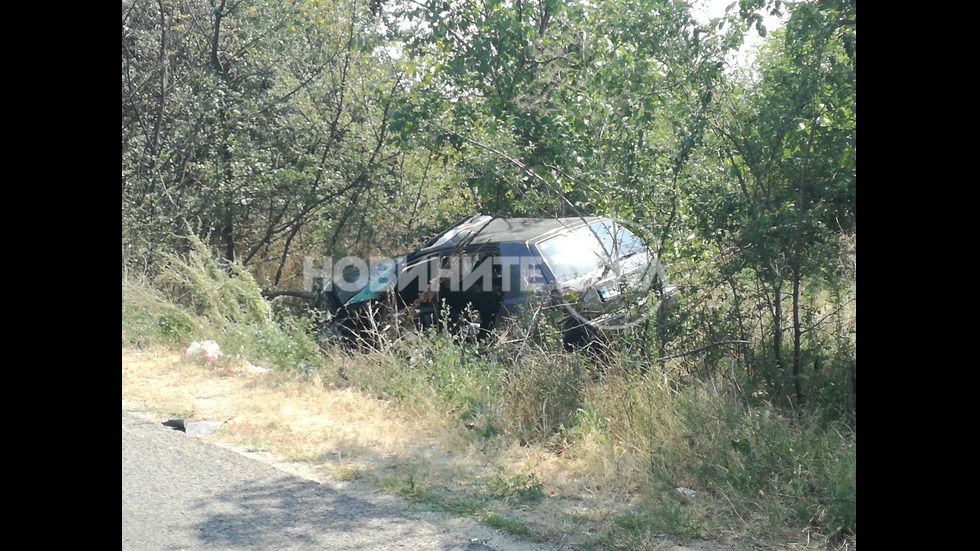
{"x": 521, "y": 436}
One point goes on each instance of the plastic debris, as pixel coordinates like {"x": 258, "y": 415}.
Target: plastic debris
{"x": 686, "y": 492}
{"x": 255, "y": 368}
{"x": 209, "y": 349}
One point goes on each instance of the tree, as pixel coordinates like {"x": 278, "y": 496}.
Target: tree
{"x": 254, "y": 123}
{"x": 789, "y": 140}
{"x": 550, "y": 115}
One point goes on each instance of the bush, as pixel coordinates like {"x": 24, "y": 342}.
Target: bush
{"x": 148, "y": 317}
{"x": 222, "y": 292}
{"x": 198, "y": 297}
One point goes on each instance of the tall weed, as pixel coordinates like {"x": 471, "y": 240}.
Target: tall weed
{"x": 223, "y": 292}
{"x": 775, "y": 470}
{"x": 148, "y": 317}
{"x": 542, "y": 395}
{"x": 197, "y": 297}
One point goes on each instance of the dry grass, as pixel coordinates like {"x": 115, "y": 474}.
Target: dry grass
{"x": 348, "y": 434}
{"x": 581, "y": 494}
{"x": 285, "y": 413}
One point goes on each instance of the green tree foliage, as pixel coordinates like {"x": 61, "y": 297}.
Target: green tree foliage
{"x": 783, "y": 212}
{"x": 255, "y": 123}
{"x": 564, "y": 106}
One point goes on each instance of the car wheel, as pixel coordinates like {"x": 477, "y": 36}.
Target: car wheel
{"x": 577, "y": 334}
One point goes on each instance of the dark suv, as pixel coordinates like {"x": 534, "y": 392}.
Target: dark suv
{"x": 485, "y": 269}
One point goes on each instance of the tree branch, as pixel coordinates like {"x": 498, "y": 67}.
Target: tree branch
{"x": 699, "y": 349}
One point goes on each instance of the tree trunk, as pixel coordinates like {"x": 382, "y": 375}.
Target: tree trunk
{"x": 798, "y": 264}
{"x": 777, "y": 324}
{"x": 797, "y": 337}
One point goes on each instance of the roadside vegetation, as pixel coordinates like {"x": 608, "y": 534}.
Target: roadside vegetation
{"x": 698, "y": 446}
{"x": 258, "y": 134}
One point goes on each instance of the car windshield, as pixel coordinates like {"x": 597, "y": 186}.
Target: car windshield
{"x": 621, "y": 242}
{"x": 592, "y": 249}
{"x": 577, "y": 253}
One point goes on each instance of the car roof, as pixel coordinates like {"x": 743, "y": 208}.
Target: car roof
{"x": 481, "y": 230}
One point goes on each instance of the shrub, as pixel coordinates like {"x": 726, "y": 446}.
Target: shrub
{"x": 199, "y": 297}
{"x": 147, "y": 317}
{"x": 223, "y": 292}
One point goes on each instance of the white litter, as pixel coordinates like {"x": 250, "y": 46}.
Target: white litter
{"x": 209, "y": 349}
{"x": 255, "y": 368}
{"x": 686, "y": 492}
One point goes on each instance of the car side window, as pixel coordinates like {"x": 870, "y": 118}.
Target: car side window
{"x": 417, "y": 278}
{"x": 470, "y": 272}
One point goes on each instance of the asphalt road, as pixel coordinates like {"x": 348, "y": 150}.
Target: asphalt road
{"x": 181, "y": 493}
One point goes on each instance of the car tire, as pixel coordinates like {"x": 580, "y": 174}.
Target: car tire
{"x": 577, "y": 334}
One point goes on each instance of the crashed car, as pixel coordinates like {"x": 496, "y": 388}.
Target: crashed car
{"x": 485, "y": 269}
